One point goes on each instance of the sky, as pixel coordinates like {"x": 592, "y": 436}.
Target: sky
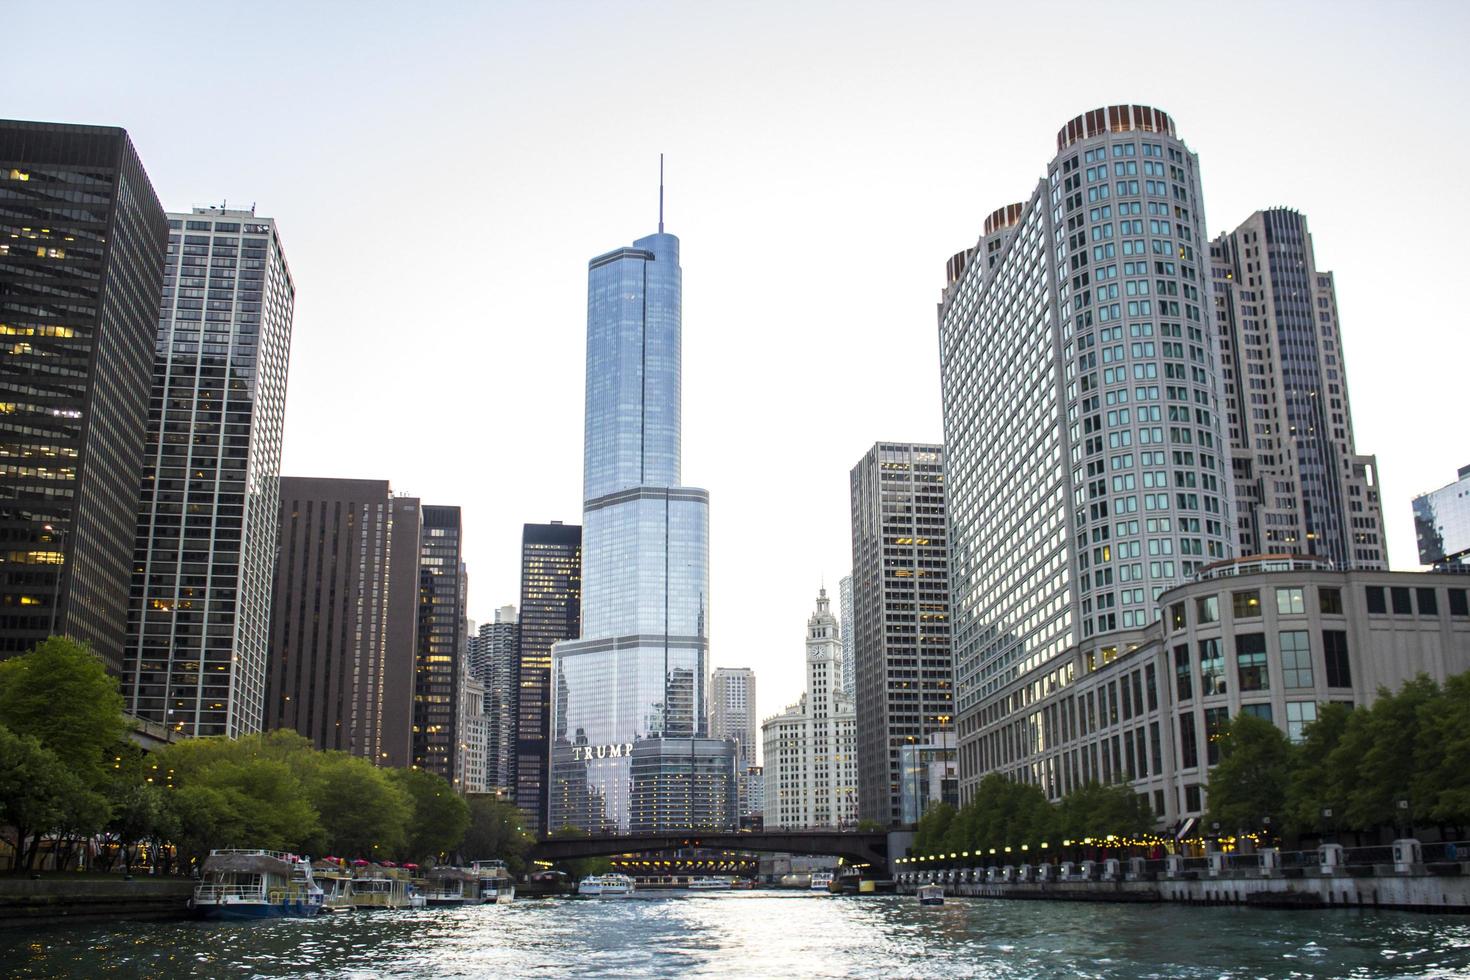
{"x": 441, "y": 173}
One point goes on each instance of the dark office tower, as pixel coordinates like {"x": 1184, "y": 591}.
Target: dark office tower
{"x": 551, "y": 610}
{"x": 199, "y": 612}
{"x": 441, "y": 643}
{"x": 344, "y": 617}
{"x": 494, "y": 655}
{"x": 900, "y": 601}
{"x": 82, "y": 239}
{"x": 1300, "y": 485}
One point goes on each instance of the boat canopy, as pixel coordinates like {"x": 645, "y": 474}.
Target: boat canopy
{"x": 259, "y": 864}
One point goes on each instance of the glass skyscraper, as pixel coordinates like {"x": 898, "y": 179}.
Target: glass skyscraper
{"x": 1442, "y": 524}
{"x": 629, "y": 727}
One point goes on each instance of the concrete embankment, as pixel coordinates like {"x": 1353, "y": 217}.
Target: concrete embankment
{"x": 27, "y": 903}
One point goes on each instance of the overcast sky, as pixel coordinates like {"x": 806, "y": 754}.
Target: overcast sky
{"x": 441, "y": 173}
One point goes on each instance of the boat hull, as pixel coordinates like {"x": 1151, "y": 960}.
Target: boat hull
{"x": 239, "y": 911}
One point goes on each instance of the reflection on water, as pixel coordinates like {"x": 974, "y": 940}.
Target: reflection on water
{"x": 766, "y": 934}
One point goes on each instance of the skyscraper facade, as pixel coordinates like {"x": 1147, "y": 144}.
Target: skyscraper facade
{"x": 493, "y": 653}
{"x": 441, "y": 642}
{"x": 1300, "y": 485}
{"x": 199, "y": 611}
{"x": 811, "y": 766}
{"x": 630, "y": 747}
{"x": 732, "y": 713}
{"x": 1087, "y": 466}
{"x": 849, "y": 658}
{"x": 344, "y": 617}
{"x": 551, "y": 611}
{"x": 82, "y": 240}
{"x": 900, "y": 599}
{"x": 1442, "y": 524}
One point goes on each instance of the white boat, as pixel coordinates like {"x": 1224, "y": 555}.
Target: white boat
{"x": 931, "y": 895}
{"x": 497, "y": 887}
{"x": 590, "y": 885}
{"x": 338, "y": 887}
{"x": 709, "y": 884}
{"x": 450, "y": 886}
{"x": 383, "y": 890}
{"x": 616, "y": 886}
{"x": 254, "y": 884}
{"x": 821, "y": 881}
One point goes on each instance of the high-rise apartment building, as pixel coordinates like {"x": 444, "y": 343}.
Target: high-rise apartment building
{"x": 437, "y": 705}
{"x": 849, "y": 656}
{"x": 493, "y": 653}
{"x": 1442, "y": 524}
{"x": 811, "y": 766}
{"x": 732, "y": 715}
{"x": 199, "y": 611}
{"x": 900, "y": 600}
{"x": 551, "y": 611}
{"x": 344, "y": 617}
{"x": 471, "y": 759}
{"x": 1300, "y": 485}
{"x": 1087, "y": 465}
{"x": 82, "y": 240}
{"x": 630, "y": 747}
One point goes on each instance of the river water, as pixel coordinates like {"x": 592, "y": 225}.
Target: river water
{"x": 764, "y": 934}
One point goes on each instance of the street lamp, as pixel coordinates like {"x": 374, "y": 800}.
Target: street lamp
{"x": 60, "y": 535}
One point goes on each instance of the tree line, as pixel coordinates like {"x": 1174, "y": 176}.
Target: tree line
{"x": 1006, "y": 814}
{"x": 71, "y": 779}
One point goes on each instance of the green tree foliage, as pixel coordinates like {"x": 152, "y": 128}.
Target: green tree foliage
{"x": 1094, "y": 811}
{"x": 1312, "y": 787}
{"x": 439, "y": 816}
{"x": 933, "y": 828}
{"x": 1004, "y": 813}
{"x": 37, "y": 793}
{"x": 1375, "y": 762}
{"x": 1441, "y": 782}
{"x": 364, "y": 812}
{"x": 1250, "y": 783}
{"x": 60, "y": 694}
{"x": 496, "y": 832}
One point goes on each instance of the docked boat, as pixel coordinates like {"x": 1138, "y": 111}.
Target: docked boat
{"x": 384, "y": 888}
{"x": 931, "y": 895}
{"x": 450, "y": 886}
{"x": 337, "y": 884}
{"x": 497, "y": 887}
{"x": 821, "y": 881}
{"x": 242, "y": 883}
{"x": 709, "y": 884}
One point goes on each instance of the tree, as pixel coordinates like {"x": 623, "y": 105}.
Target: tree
{"x": 137, "y": 815}
{"x": 933, "y": 828}
{"x": 497, "y": 831}
{"x": 1311, "y": 788}
{"x": 1441, "y": 781}
{"x": 1095, "y": 811}
{"x": 36, "y": 790}
{"x": 1251, "y": 781}
{"x": 363, "y": 812}
{"x": 60, "y": 694}
{"x": 1376, "y": 759}
{"x": 439, "y": 816}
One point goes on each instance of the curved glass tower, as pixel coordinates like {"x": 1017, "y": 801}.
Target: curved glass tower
{"x": 629, "y": 748}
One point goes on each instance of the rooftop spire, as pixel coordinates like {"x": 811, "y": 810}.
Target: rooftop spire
{"x": 660, "y": 193}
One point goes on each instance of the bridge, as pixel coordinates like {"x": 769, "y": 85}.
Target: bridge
{"x": 873, "y": 848}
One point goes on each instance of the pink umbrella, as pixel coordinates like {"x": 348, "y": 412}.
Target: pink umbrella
{"x": 389, "y": 864}
{"x": 360, "y": 863}
{"x": 411, "y": 866}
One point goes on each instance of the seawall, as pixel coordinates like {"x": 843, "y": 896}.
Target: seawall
{"x": 27, "y": 903}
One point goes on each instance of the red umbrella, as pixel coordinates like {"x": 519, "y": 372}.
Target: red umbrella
{"x": 360, "y": 863}
{"x": 331, "y": 860}
{"x": 389, "y": 864}
{"x": 413, "y": 866}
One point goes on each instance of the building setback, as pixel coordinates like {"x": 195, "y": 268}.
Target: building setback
{"x": 344, "y": 617}
{"x": 551, "y": 611}
{"x": 1442, "y": 524}
{"x": 199, "y": 612}
{"x": 900, "y": 600}
{"x": 439, "y": 664}
{"x": 1087, "y": 467}
{"x": 1300, "y": 485}
{"x": 82, "y": 240}
{"x": 732, "y": 706}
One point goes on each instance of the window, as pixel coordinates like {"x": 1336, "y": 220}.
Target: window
{"x": 1261, "y": 711}
{"x": 1183, "y": 676}
{"x": 1296, "y": 659}
{"x": 1246, "y": 605}
{"x": 1250, "y": 662}
{"x": 1374, "y": 595}
{"x": 1216, "y": 721}
{"x": 1335, "y": 658}
{"x": 1299, "y": 714}
{"x": 1151, "y": 685}
{"x": 1192, "y": 801}
{"x": 1401, "y": 604}
{"x": 1289, "y": 602}
{"x": 1176, "y": 616}
{"x": 1188, "y": 742}
{"x": 1458, "y": 605}
{"x": 1428, "y": 606}
{"x": 1207, "y": 610}
{"x": 1211, "y": 668}
{"x": 1329, "y": 601}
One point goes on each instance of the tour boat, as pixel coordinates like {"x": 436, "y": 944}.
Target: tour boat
{"x": 931, "y": 895}
{"x": 615, "y": 886}
{"x": 254, "y": 884}
{"x": 821, "y": 881}
{"x": 709, "y": 884}
{"x": 590, "y": 885}
{"x": 496, "y": 885}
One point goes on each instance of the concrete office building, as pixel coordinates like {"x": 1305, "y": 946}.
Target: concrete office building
{"x": 205, "y": 555}
{"x": 551, "y": 611}
{"x": 732, "y": 707}
{"x": 1087, "y": 465}
{"x": 344, "y": 617}
{"x": 82, "y": 240}
{"x": 811, "y": 767}
{"x": 1300, "y": 485}
{"x": 1442, "y": 524}
{"x": 901, "y": 630}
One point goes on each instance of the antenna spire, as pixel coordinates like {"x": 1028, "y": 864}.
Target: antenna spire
{"x": 660, "y": 193}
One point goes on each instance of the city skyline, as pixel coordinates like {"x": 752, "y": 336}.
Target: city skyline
{"x": 929, "y": 191}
